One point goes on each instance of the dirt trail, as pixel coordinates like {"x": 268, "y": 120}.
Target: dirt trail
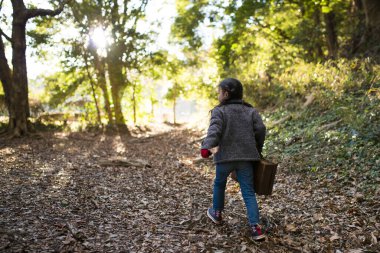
{"x": 56, "y": 197}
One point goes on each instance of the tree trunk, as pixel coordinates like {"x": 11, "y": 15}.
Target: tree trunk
{"x": 92, "y": 83}
{"x": 372, "y": 19}
{"x": 102, "y": 83}
{"x": 331, "y": 36}
{"x": 152, "y": 101}
{"x": 117, "y": 81}
{"x": 358, "y": 18}
{"x": 115, "y": 68}
{"x": 134, "y": 104}
{"x": 18, "y": 92}
{"x": 5, "y": 74}
{"x": 101, "y": 73}
{"x": 318, "y": 45}
{"x": 174, "y": 111}
{"x": 19, "y": 104}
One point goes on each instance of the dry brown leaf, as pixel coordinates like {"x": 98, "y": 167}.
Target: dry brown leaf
{"x": 334, "y": 237}
{"x": 290, "y": 228}
{"x": 355, "y": 251}
{"x": 373, "y": 238}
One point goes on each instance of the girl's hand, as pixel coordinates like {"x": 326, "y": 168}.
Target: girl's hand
{"x": 205, "y": 153}
{"x": 214, "y": 150}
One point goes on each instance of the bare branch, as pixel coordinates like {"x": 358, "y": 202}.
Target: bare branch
{"x": 2, "y": 33}
{"x": 31, "y": 13}
{"x": 43, "y": 12}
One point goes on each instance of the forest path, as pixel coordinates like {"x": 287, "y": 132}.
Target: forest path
{"x": 57, "y": 197}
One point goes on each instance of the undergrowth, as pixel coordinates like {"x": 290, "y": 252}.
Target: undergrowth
{"x": 336, "y": 138}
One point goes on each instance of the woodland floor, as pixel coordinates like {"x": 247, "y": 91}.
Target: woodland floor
{"x": 56, "y": 196}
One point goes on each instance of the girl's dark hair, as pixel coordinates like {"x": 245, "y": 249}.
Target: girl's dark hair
{"x": 234, "y": 88}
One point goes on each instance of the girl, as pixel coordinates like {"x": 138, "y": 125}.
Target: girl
{"x": 238, "y": 130}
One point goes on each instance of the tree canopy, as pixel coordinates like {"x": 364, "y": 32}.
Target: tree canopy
{"x": 109, "y": 59}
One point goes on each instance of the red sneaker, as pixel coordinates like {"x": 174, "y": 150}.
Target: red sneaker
{"x": 214, "y": 215}
{"x": 256, "y": 233}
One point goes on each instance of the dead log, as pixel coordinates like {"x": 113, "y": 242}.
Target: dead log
{"x": 296, "y": 138}
{"x": 280, "y": 121}
{"x": 148, "y": 138}
{"x": 309, "y": 100}
{"x": 328, "y": 126}
{"x": 200, "y": 160}
{"x": 124, "y": 163}
{"x": 198, "y": 140}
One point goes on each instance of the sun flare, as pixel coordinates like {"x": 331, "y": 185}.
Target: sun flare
{"x": 99, "y": 37}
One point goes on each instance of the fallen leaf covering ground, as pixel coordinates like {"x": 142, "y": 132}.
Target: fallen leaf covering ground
{"x": 56, "y": 196}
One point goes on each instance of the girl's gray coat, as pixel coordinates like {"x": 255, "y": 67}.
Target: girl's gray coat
{"x": 239, "y": 132}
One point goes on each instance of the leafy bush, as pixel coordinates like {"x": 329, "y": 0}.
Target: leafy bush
{"x": 328, "y": 81}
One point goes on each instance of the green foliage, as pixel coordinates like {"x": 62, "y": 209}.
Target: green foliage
{"x": 343, "y": 151}
{"x": 62, "y": 86}
{"x": 155, "y": 64}
{"x": 186, "y": 23}
{"x": 267, "y": 38}
{"x": 42, "y": 31}
{"x": 142, "y": 91}
{"x": 327, "y": 81}
{"x": 191, "y": 78}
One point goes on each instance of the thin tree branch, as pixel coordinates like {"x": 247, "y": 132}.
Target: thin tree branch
{"x": 31, "y": 13}
{"x": 125, "y": 11}
{"x": 1, "y": 31}
{"x": 92, "y": 83}
{"x": 140, "y": 11}
{"x": 5, "y": 36}
{"x": 279, "y": 31}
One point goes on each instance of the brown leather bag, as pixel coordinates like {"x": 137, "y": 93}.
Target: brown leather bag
{"x": 263, "y": 176}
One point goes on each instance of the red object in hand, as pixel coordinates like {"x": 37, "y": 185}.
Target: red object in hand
{"x": 205, "y": 153}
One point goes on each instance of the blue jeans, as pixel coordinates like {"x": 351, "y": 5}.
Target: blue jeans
{"x": 244, "y": 172}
